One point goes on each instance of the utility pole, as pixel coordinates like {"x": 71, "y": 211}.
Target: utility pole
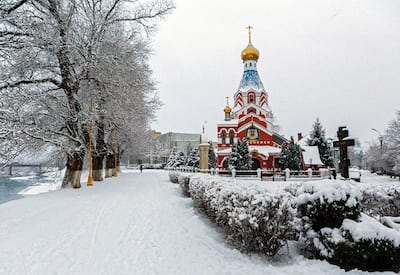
{"x": 380, "y": 138}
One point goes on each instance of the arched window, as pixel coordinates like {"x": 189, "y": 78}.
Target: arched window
{"x": 223, "y": 137}
{"x": 231, "y": 136}
{"x": 251, "y": 98}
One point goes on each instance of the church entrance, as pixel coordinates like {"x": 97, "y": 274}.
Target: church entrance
{"x": 256, "y": 164}
{"x": 225, "y": 164}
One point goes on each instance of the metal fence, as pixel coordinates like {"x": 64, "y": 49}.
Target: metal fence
{"x": 261, "y": 174}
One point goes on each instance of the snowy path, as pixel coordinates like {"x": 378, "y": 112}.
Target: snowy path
{"x": 133, "y": 224}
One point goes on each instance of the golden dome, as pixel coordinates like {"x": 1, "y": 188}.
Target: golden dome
{"x": 250, "y": 52}
{"x": 227, "y": 109}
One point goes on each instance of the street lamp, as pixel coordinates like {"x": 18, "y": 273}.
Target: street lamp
{"x": 380, "y": 138}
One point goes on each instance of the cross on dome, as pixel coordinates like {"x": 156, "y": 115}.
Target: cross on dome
{"x": 249, "y": 28}
{"x": 250, "y": 52}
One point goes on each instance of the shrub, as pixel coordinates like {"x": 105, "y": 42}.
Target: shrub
{"x": 366, "y": 245}
{"x": 183, "y": 180}
{"x": 385, "y": 202}
{"x": 254, "y": 220}
{"x": 173, "y": 176}
{"x": 327, "y": 203}
{"x": 334, "y": 229}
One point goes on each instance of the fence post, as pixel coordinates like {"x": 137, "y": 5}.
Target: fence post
{"x": 287, "y": 173}
{"x": 309, "y": 171}
{"x": 259, "y": 173}
{"x": 233, "y": 173}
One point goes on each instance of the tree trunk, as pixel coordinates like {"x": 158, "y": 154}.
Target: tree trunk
{"x": 98, "y": 167}
{"x": 98, "y": 159}
{"x": 74, "y": 171}
{"x": 109, "y": 165}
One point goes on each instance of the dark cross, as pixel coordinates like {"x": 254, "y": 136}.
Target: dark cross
{"x": 343, "y": 144}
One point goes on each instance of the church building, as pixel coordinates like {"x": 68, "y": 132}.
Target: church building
{"x": 251, "y": 117}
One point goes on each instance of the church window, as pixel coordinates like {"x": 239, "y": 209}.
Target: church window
{"x": 231, "y": 136}
{"x": 223, "y": 137}
{"x": 251, "y": 100}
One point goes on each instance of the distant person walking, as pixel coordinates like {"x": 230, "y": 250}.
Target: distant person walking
{"x": 334, "y": 173}
{"x": 141, "y": 168}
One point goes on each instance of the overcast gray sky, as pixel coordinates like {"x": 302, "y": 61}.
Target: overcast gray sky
{"x": 336, "y": 60}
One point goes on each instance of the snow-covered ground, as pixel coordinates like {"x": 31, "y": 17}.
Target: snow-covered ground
{"x": 133, "y": 224}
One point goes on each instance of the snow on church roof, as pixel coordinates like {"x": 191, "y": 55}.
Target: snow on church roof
{"x": 251, "y": 79}
{"x": 264, "y": 150}
{"x": 311, "y": 155}
{"x": 229, "y": 122}
{"x": 309, "y": 152}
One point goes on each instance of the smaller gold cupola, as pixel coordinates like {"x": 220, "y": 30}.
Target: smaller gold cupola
{"x": 250, "y": 52}
{"x": 227, "y": 110}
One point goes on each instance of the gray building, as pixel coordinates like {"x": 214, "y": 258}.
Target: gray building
{"x": 163, "y": 144}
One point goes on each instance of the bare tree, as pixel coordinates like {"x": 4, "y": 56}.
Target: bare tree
{"x": 51, "y": 52}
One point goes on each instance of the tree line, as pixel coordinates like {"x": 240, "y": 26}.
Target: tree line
{"x": 74, "y": 68}
{"x": 384, "y": 156}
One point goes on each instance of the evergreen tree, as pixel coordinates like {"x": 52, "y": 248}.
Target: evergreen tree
{"x": 193, "y": 158}
{"x": 171, "y": 158}
{"x": 180, "y": 159}
{"x": 240, "y": 156}
{"x": 175, "y": 159}
{"x": 317, "y": 138}
{"x": 212, "y": 158}
{"x": 290, "y": 156}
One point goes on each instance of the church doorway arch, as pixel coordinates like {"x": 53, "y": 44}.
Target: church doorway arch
{"x": 256, "y": 164}
{"x": 225, "y": 163}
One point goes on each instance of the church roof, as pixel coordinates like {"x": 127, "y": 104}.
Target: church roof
{"x": 262, "y": 149}
{"x": 311, "y": 155}
{"x": 251, "y": 80}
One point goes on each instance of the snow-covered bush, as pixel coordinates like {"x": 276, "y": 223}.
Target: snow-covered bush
{"x": 334, "y": 229}
{"x": 183, "y": 180}
{"x": 173, "y": 176}
{"x": 382, "y": 202}
{"x": 255, "y": 220}
{"x": 365, "y": 244}
{"x": 324, "y": 204}
{"x": 327, "y": 203}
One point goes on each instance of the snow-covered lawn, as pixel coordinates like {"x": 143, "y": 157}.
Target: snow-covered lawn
{"x": 133, "y": 224}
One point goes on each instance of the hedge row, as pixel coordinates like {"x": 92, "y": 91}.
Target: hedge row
{"x": 254, "y": 220}
{"x": 326, "y": 214}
